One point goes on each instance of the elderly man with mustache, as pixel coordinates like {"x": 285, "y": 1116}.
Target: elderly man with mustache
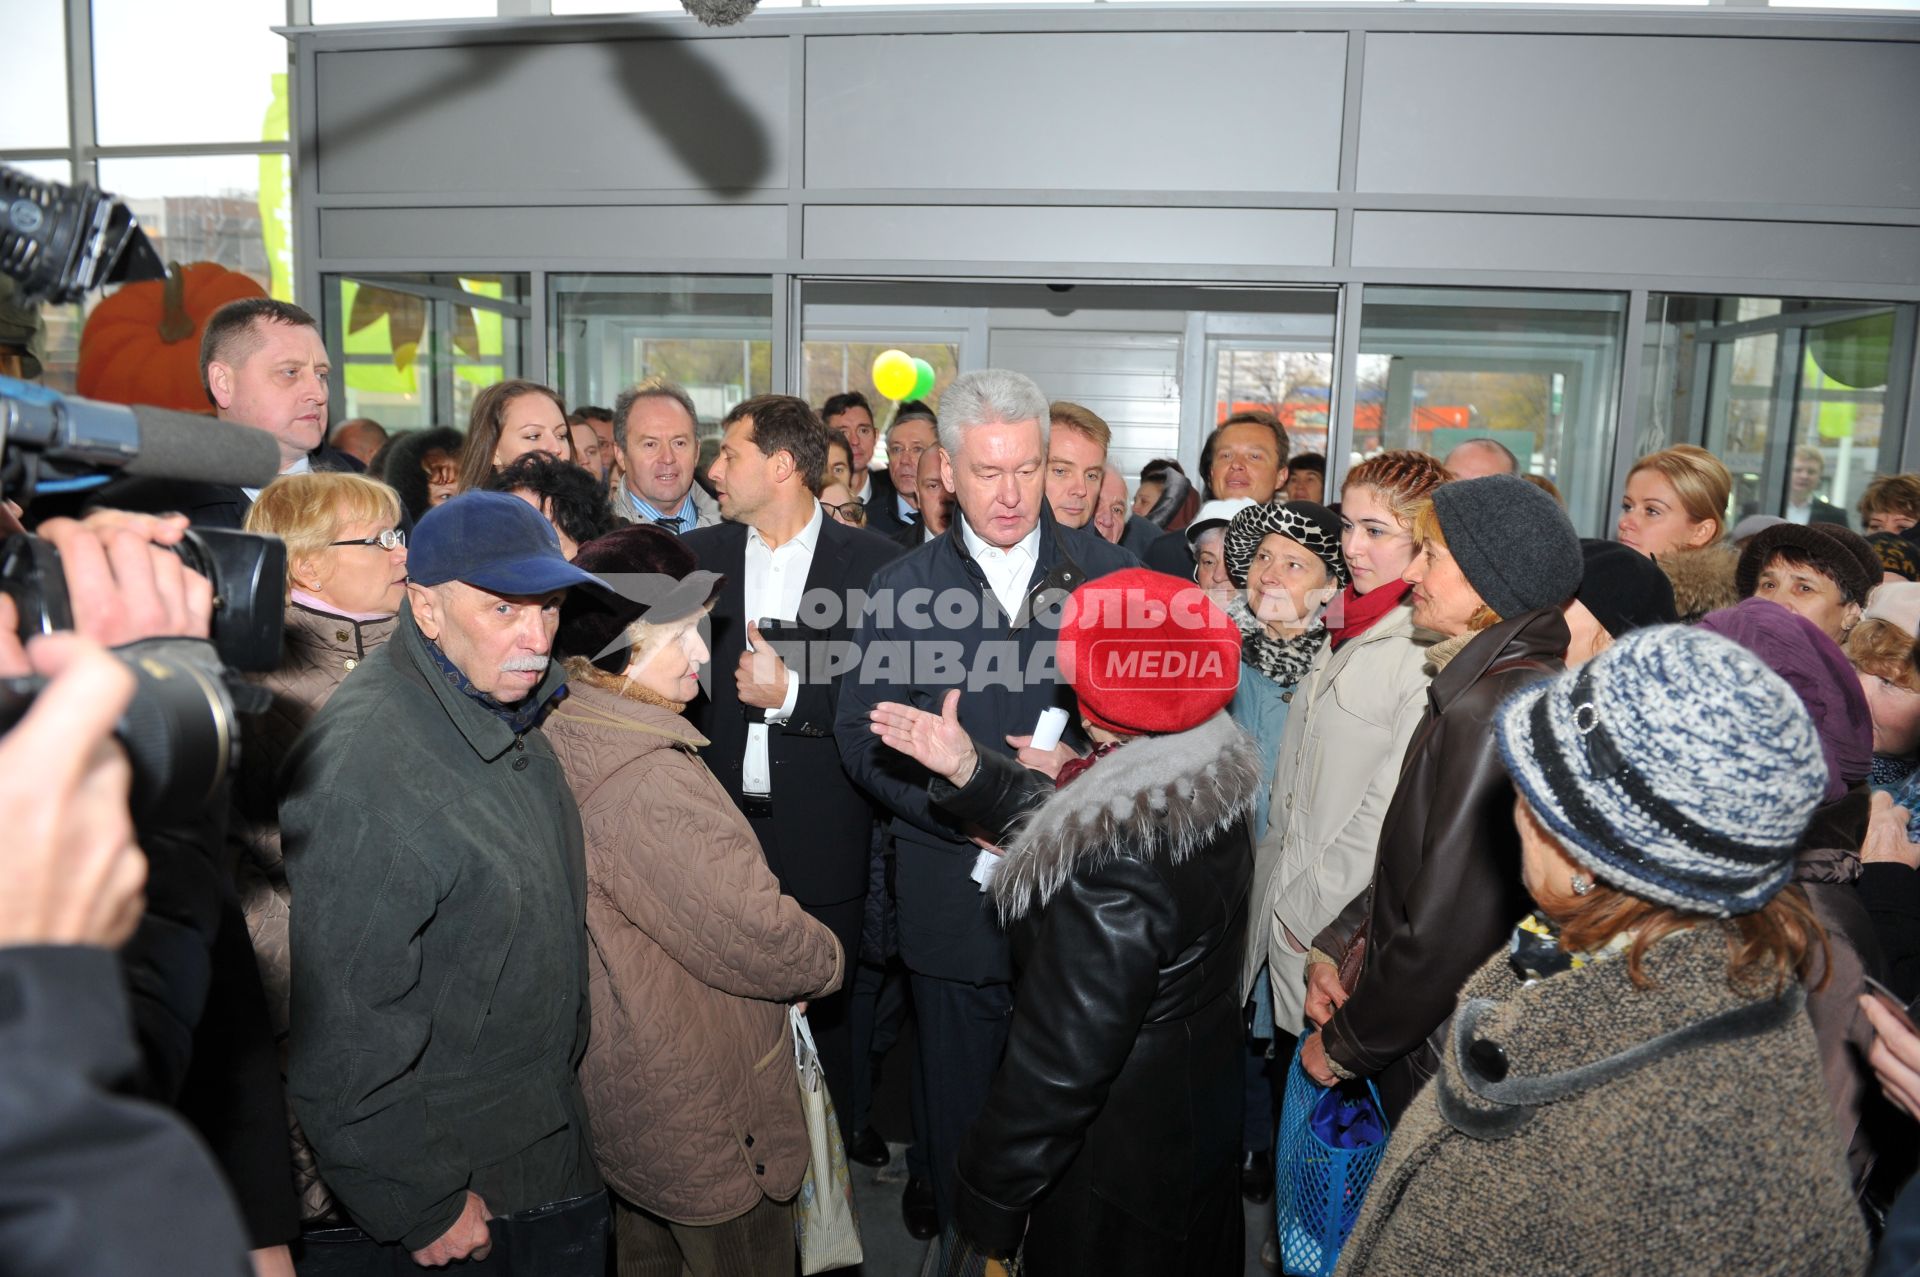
{"x": 438, "y": 875}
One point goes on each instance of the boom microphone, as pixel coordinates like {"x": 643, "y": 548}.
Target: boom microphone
{"x": 46, "y": 436}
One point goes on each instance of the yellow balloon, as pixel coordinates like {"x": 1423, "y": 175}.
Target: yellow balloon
{"x": 894, "y": 374}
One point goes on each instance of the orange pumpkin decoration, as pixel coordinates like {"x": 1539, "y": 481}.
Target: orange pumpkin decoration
{"x": 142, "y": 345}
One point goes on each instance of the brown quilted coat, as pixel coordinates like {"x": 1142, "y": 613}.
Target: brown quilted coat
{"x": 693, "y": 956}
{"x": 320, "y": 651}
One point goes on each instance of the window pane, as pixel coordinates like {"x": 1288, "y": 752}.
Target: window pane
{"x": 1293, "y": 384}
{"x": 326, "y": 11}
{"x": 648, "y": 6}
{"x": 414, "y": 350}
{"x": 36, "y": 73}
{"x": 46, "y": 170}
{"x": 236, "y": 210}
{"x": 1789, "y": 392}
{"x": 713, "y": 334}
{"x": 830, "y": 367}
{"x": 211, "y": 72}
{"x": 1536, "y": 371}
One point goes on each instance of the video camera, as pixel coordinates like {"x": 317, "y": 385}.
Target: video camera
{"x": 182, "y": 731}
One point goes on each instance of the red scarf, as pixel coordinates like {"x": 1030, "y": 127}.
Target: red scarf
{"x": 1358, "y": 612}
{"x": 1074, "y": 767}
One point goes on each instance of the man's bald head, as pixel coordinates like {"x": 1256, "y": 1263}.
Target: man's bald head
{"x": 1478, "y": 458}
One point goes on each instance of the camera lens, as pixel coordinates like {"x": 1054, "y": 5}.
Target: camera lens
{"x": 180, "y": 732}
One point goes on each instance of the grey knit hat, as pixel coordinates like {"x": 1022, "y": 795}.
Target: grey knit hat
{"x": 1314, "y": 527}
{"x": 1511, "y": 540}
{"x": 1675, "y": 765}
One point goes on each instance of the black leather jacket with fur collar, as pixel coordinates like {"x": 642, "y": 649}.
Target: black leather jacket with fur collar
{"x": 1125, "y": 894}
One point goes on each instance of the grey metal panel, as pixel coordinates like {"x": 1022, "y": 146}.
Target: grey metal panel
{"x": 550, "y": 118}
{"x": 1192, "y": 236}
{"x": 1088, "y": 110}
{"x": 1673, "y": 248}
{"x": 488, "y": 235}
{"x": 1632, "y": 116}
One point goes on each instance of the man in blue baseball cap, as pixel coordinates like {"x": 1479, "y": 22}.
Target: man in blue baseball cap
{"x": 439, "y": 920}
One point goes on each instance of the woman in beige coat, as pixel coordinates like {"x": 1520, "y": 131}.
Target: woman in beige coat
{"x": 695, "y": 954}
{"x": 1352, "y": 717}
{"x": 346, "y": 578}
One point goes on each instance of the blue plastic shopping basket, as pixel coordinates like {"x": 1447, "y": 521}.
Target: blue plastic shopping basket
{"x": 1319, "y": 1185}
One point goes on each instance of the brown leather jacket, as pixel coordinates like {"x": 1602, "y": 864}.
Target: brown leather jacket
{"x": 1446, "y": 889}
{"x": 320, "y": 651}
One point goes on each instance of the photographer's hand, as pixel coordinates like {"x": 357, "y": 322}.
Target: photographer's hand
{"x": 70, "y": 872}
{"x": 123, "y": 586}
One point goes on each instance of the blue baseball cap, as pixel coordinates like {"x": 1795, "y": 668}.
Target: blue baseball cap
{"x": 493, "y": 541}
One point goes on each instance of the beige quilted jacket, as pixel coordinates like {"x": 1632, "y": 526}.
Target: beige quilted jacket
{"x": 693, "y": 956}
{"x": 320, "y": 651}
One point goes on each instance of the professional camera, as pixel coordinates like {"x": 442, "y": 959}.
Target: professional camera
{"x": 182, "y": 730}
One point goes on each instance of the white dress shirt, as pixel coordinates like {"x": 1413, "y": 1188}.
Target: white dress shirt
{"x": 1007, "y": 571}
{"x": 771, "y": 586}
{"x": 303, "y": 466}
{"x": 1800, "y": 514}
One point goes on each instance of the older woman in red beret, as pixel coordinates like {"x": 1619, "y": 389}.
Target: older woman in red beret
{"x": 1111, "y": 1136}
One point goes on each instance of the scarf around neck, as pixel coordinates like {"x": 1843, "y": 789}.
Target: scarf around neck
{"x": 518, "y": 717}
{"x": 1285, "y": 661}
{"x": 1359, "y": 613}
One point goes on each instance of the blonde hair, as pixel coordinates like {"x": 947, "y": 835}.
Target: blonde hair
{"x": 1426, "y": 530}
{"x": 1084, "y": 420}
{"x": 1884, "y": 650}
{"x": 307, "y": 511}
{"x": 1703, "y": 484}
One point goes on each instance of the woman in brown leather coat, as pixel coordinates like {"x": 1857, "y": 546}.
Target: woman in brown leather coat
{"x": 1496, "y": 563}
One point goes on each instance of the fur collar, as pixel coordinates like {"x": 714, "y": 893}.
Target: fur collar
{"x": 1158, "y": 796}
{"x": 1703, "y": 580}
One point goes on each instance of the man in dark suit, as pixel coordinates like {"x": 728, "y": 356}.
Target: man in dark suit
{"x": 936, "y": 504}
{"x": 769, "y": 711}
{"x": 895, "y": 503}
{"x": 263, "y": 365}
{"x": 1246, "y": 456}
{"x": 968, "y": 610}
{"x": 1809, "y": 468}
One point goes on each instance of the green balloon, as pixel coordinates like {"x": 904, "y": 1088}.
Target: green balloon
{"x": 1855, "y": 353}
{"x": 923, "y": 379}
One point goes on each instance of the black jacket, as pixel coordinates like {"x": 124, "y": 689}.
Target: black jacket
{"x": 820, "y": 834}
{"x": 206, "y": 505}
{"x": 439, "y": 950}
{"x": 1140, "y": 535}
{"x": 1446, "y": 889}
{"x": 93, "y": 1184}
{"x": 911, "y": 537}
{"x": 1126, "y": 895}
{"x": 913, "y": 652}
{"x": 1171, "y": 553}
{"x": 883, "y": 510}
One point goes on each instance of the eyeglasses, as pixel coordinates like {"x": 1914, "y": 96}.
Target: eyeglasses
{"x": 391, "y": 539}
{"x": 852, "y": 512}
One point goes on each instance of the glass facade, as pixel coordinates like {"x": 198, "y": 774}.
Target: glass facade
{"x": 1792, "y": 394}
{"x": 713, "y": 334}
{"x": 412, "y": 351}
{"x": 1537, "y": 371}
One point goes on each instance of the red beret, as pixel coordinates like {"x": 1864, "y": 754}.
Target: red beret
{"x": 1148, "y": 653}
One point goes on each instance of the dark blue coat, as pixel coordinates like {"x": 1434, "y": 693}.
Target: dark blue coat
{"x": 947, "y": 929}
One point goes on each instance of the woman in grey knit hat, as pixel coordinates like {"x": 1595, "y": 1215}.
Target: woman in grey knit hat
{"x": 1631, "y": 1085}
{"x": 1497, "y": 562}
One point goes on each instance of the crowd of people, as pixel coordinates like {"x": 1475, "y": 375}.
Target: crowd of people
{"x": 588, "y": 757}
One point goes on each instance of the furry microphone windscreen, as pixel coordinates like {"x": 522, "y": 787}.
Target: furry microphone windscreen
{"x": 719, "y": 13}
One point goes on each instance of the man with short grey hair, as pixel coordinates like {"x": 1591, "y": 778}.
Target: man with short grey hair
{"x": 439, "y": 919}
{"x": 654, "y": 431}
{"x": 1478, "y": 458}
{"x": 989, "y": 634}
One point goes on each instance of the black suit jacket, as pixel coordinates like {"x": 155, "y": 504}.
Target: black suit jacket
{"x": 883, "y": 510}
{"x": 818, "y": 838}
